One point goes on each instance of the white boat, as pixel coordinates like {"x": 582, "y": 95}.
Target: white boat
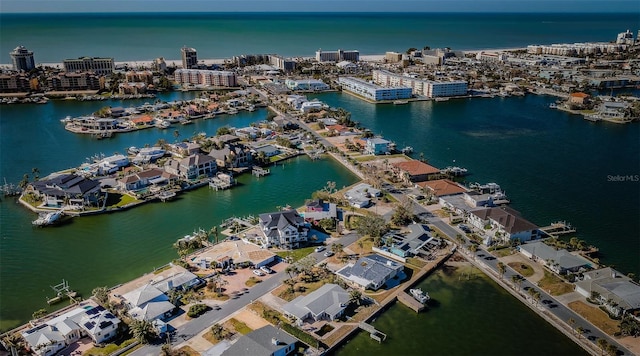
{"x": 133, "y": 150}
{"x": 442, "y": 99}
{"x": 163, "y": 124}
{"x": 419, "y": 295}
{"x": 455, "y": 171}
{"x": 150, "y": 153}
{"x": 407, "y": 150}
{"x": 251, "y": 108}
{"x": 553, "y": 106}
{"x": 400, "y": 102}
{"x": 232, "y": 111}
{"x": 46, "y": 219}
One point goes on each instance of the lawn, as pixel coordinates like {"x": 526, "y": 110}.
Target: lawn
{"x": 554, "y": 285}
{"x": 252, "y": 281}
{"x": 416, "y": 262}
{"x": 338, "y": 334}
{"x": 117, "y": 200}
{"x": 367, "y": 244}
{"x": 108, "y": 349}
{"x": 239, "y": 326}
{"x": 296, "y": 254}
{"x": 596, "y": 316}
{"x": 507, "y": 251}
{"x": 522, "y": 268}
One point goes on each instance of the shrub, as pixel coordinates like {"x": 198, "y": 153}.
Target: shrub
{"x": 197, "y": 309}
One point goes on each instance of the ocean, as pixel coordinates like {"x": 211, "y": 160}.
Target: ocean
{"x": 127, "y": 37}
{"x": 552, "y": 165}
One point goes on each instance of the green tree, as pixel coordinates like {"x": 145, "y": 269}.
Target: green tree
{"x": 224, "y": 130}
{"x": 502, "y": 269}
{"x": 403, "y": 214}
{"x": 143, "y": 331}
{"x": 371, "y": 225}
{"x": 355, "y": 297}
{"x": 101, "y": 295}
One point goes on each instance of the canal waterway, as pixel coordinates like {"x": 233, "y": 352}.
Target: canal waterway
{"x": 469, "y": 314}
{"x": 552, "y": 165}
{"x": 113, "y": 248}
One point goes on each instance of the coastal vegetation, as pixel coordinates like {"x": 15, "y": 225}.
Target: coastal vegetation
{"x": 197, "y": 309}
{"x": 524, "y": 269}
{"x": 554, "y": 285}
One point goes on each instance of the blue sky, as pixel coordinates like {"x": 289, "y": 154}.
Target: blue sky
{"x": 50, "y": 6}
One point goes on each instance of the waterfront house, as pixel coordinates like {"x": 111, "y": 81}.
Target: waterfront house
{"x": 66, "y": 189}
{"x": 284, "y": 229}
{"x": 232, "y": 156}
{"x": 360, "y": 195}
{"x": 185, "y": 149}
{"x": 318, "y": 209}
{"x": 182, "y": 281}
{"x": 266, "y": 341}
{"x": 376, "y": 146}
{"x": 414, "y": 171}
{"x": 325, "y": 303}
{"x": 579, "y": 98}
{"x": 409, "y": 244}
{"x": 442, "y": 187}
{"x": 268, "y": 150}
{"x": 112, "y": 164}
{"x": 617, "y": 292}
{"x": 475, "y": 199}
{"x": 148, "y": 303}
{"x": 55, "y": 334}
{"x": 192, "y": 167}
{"x": 559, "y": 261}
{"x": 236, "y": 252}
{"x": 146, "y": 178}
{"x": 371, "y": 272}
{"x": 503, "y": 223}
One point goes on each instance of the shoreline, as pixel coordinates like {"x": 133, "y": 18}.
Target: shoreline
{"x": 213, "y": 61}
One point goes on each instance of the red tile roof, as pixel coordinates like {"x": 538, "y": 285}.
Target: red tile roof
{"x": 415, "y": 168}
{"x": 442, "y": 187}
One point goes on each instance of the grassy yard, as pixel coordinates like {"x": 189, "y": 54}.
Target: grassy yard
{"x": 522, "y": 268}
{"x": 108, "y": 349}
{"x": 117, "y": 200}
{"x": 239, "y": 326}
{"x": 367, "y": 244}
{"x": 252, "y": 281}
{"x": 296, "y": 254}
{"x": 507, "y": 251}
{"x": 596, "y": 316}
{"x": 416, "y": 262}
{"x": 338, "y": 334}
{"x": 554, "y": 285}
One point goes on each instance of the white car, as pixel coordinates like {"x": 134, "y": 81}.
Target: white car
{"x": 258, "y": 273}
{"x": 328, "y": 254}
{"x": 320, "y": 248}
{"x": 266, "y": 269}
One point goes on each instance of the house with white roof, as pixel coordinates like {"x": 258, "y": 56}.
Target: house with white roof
{"x": 148, "y": 303}
{"x": 360, "y": 195}
{"x": 325, "y": 303}
{"x": 619, "y": 293}
{"x": 55, "y": 334}
{"x": 371, "y": 272}
{"x": 559, "y": 261}
{"x": 266, "y": 341}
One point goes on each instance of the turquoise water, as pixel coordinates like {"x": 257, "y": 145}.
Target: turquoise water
{"x": 147, "y": 36}
{"x": 465, "y": 317}
{"x": 552, "y": 165}
{"x": 113, "y": 248}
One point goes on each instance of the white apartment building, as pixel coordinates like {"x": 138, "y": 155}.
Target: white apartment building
{"x": 337, "y": 56}
{"x": 306, "y": 84}
{"x": 576, "y": 49}
{"x": 428, "y": 88}
{"x": 372, "y": 91}
{"x": 100, "y": 66}
{"x": 206, "y": 77}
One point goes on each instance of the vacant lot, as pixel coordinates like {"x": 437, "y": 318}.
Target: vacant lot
{"x": 524, "y": 269}
{"x": 554, "y": 285}
{"x": 596, "y": 316}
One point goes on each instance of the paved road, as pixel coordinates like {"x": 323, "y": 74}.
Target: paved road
{"x": 197, "y": 325}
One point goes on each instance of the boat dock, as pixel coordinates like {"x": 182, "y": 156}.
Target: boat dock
{"x": 410, "y": 301}
{"x": 558, "y": 228}
{"x": 166, "y": 195}
{"x": 375, "y": 334}
{"x": 260, "y": 172}
{"x": 222, "y": 181}
{"x": 62, "y": 291}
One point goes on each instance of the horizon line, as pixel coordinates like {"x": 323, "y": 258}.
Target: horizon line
{"x": 315, "y": 12}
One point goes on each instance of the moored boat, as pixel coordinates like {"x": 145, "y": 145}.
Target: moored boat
{"x": 46, "y": 219}
{"x": 419, "y": 295}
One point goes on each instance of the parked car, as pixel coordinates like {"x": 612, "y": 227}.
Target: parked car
{"x": 328, "y": 254}
{"x": 320, "y": 248}
{"x": 258, "y": 272}
{"x": 464, "y": 228}
{"x": 265, "y": 269}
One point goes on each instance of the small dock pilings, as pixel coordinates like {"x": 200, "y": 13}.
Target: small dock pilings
{"x": 558, "y": 228}
{"x": 377, "y": 335}
{"x": 260, "y": 172}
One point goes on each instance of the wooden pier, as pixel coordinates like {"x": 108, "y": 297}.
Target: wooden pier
{"x": 558, "y": 228}
{"x": 410, "y": 301}
{"x": 166, "y": 195}
{"x": 222, "y": 181}
{"x": 377, "y": 335}
{"x": 260, "y": 172}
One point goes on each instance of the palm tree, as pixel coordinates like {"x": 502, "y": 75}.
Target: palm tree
{"x": 515, "y": 279}
{"x": 337, "y": 249}
{"x": 580, "y": 330}
{"x": 355, "y": 296}
{"x": 502, "y": 268}
{"x": 571, "y": 322}
{"x": 603, "y": 344}
{"x": 15, "y": 343}
{"x": 143, "y": 331}
{"x": 214, "y": 232}
{"x": 101, "y": 295}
